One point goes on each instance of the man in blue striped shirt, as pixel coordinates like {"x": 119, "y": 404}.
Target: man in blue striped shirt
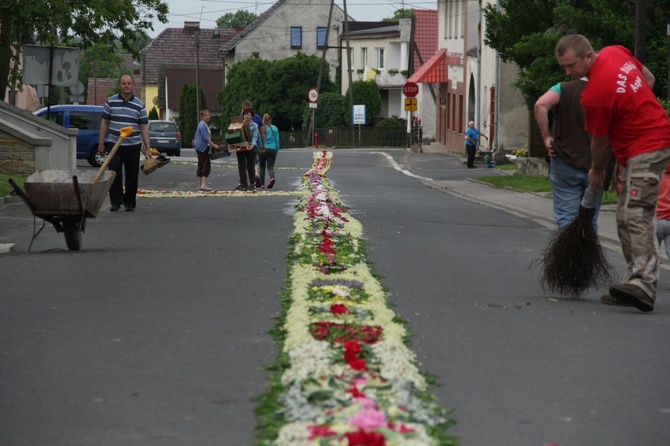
{"x": 124, "y": 110}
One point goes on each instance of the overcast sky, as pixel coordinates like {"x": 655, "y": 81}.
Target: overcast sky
{"x": 208, "y": 11}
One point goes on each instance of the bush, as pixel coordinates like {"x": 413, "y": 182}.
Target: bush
{"x": 390, "y": 122}
{"x": 331, "y": 112}
{"x": 366, "y": 92}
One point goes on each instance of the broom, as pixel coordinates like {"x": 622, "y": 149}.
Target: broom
{"x": 574, "y": 260}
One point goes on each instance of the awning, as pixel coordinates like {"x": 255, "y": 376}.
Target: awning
{"x": 434, "y": 71}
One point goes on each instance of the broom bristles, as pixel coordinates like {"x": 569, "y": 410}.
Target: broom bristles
{"x": 574, "y": 260}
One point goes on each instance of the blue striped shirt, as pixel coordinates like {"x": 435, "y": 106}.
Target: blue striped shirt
{"x": 121, "y": 113}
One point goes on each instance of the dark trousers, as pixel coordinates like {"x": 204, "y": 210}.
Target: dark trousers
{"x": 267, "y": 160}
{"x": 204, "y": 163}
{"x": 245, "y": 166}
{"x": 470, "y": 152}
{"x": 127, "y": 158}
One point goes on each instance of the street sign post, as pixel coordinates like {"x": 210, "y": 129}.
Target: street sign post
{"x": 358, "y": 113}
{"x": 410, "y": 104}
{"x": 313, "y": 95}
{"x": 410, "y": 89}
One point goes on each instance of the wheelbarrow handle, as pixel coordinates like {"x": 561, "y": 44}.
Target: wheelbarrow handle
{"x": 125, "y": 132}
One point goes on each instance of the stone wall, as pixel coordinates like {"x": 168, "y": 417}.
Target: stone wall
{"x": 532, "y": 166}
{"x": 17, "y": 157}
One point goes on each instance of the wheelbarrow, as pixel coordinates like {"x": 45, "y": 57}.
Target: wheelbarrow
{"x": 65, "y": 199}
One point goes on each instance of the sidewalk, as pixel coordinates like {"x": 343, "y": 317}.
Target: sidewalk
{"x": 528, "y": 205}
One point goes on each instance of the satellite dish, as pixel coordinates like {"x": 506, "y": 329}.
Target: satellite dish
{"x": 79, "y": 89}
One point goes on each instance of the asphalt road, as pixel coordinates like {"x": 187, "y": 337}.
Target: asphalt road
{"x": 156, "y": 332}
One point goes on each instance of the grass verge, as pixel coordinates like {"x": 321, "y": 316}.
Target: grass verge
{"x": 532, "y": 183}
{"x": 5, "y": 187}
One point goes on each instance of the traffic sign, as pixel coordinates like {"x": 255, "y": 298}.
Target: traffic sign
{"x": 313, "y": 95}
{"x": 411, "y": 104}
{"x": 410, "y": 89}
{"x": 359, "y": 114}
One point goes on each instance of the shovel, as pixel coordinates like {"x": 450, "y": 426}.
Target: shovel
{"x": 125, "y": 132}
{"x": 154, "y": 163}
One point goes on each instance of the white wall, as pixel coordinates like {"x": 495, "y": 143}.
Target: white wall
{"x": 272, "y": 40}
{"x": 513, "y": 115}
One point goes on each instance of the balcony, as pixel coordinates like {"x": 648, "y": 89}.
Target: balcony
{"x": 383, "y": 77}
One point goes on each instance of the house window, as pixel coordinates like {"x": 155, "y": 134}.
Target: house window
{"x": 364, "y": 57}
{"x": 380, "y": 58}
{"x": 321, "y": 37}
{"x": 350, "y": 58}
{"x": 296, "y": 37}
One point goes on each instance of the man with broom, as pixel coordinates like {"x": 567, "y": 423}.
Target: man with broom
{"x": 621, "y": 110}
{"x": 568, "y": 148}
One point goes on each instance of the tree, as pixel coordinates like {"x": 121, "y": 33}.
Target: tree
{"x": 238, "y": 19}
{"x": 101, "y": 61}
{"x": 330, "y": 113}
{"x": 400, "y": 14}
{"x": 366, "y": 93}
{"x": 526, "y": 31}
{"x": 246, "y": 80}
{"x": 287, "y": 92}
{"x": 189, "y": 115}
{"x": 278, "y": 88}
{"x": 52, "y": 22}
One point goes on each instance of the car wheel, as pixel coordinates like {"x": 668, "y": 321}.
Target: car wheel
{"x": 176, "y": 152}
{"x": 95, "y": 159}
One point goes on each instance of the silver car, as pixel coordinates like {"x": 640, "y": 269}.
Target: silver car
{"x": 165, "y": 137}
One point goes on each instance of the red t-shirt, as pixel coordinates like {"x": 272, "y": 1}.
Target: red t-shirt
{"x": 618, "y": 102}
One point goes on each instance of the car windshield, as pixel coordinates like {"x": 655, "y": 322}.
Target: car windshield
{"x": 162, "y": 127}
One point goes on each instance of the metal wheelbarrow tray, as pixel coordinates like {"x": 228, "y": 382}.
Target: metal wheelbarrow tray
{"x": 65, "y": 199}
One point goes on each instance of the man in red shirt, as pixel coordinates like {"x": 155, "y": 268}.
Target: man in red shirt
{"x": 620, "y": 109}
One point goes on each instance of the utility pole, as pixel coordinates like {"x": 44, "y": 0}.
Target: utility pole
{"x": 197, "y": 75}
{"x": 349, "y": 68}
{"x": 640, "y": 28}
{"x": 312, "y": 122}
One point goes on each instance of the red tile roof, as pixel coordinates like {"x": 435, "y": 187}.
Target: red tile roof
{"x": 101, "y": 88}
{"x": 175, "y": 47}
{"x": 425, "y": 34}
{"x": 210, "y": 81}
{"x": 434, "y": 71}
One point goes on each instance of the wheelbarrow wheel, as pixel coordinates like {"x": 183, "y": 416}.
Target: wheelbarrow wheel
{"x": 72, "y": 231}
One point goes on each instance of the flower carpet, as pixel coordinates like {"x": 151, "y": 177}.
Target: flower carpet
{"x": 148, "y": 193}
{"x": 345, "y": 375}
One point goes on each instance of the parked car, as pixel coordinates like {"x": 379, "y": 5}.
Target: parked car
{"x": 87, "y": 119}
{"x": 165, "y": 137}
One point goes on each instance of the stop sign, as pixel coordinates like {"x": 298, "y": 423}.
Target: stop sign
{"x": 410, "y": 89}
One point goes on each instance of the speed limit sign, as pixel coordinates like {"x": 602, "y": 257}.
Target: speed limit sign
{"x": 313, "y": 95}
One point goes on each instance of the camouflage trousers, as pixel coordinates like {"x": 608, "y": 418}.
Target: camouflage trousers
{"x": 636, "y": 218}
